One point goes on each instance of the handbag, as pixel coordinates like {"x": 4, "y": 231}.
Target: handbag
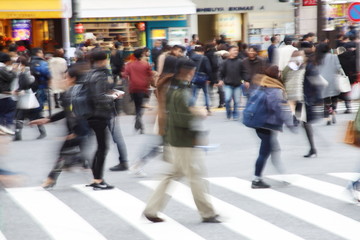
{"x": 200, "y": 78}
{"x": 27, "y": 100}
{"x": 351, "y": 134}
{"x": 344, "y": 82}
{"x": 355, "y": 91}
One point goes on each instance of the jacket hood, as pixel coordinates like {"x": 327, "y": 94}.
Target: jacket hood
{"x": 269, "y": 82}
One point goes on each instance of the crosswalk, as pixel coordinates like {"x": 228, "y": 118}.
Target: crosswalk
{"x": 59, "y": 218}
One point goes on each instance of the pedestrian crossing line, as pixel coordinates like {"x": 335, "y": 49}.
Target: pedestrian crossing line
{"x": 351, "y": 176}
{"x": 2, "y": 237}
{"x": 130, "y": 210}
{"x": 327, "y": 189}
{"x": 328, "y": 220}
{"x": 58, "y": 220}
{"x": 237, "y": 220}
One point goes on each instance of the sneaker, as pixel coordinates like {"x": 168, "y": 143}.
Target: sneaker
{"x": 347, "y": 111}
{"x": 355, "y": 190}
{"x": 214, "y": 219}
{"x": 100, "y": 186}
{"x": 154, "y": 219}
{"x": 120, "y": 167}
{"x": 259, "y": 184}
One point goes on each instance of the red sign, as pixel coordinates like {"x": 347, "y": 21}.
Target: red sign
{"x": 309, "y": 2}
{"x": 79, "y": 28}
{"x": 354, "y": 12}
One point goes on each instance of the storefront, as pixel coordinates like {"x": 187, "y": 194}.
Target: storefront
{"x": 253, "y": 22}
{"x": 136, "y": 23}
{"x": 35, "y": 23}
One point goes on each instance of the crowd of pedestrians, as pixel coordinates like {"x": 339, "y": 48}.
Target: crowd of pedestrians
{"x": 296, "y": 77}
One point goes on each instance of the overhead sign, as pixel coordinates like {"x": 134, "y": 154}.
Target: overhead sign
{"x": 354, "y": 12}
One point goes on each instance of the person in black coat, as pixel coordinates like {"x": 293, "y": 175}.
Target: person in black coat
{"x": 348, "y": 64}
{"x": 156, "y": 51}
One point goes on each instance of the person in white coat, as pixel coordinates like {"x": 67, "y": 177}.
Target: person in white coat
{"x": 283, "y": 53}
{"x": 58, "y": 67}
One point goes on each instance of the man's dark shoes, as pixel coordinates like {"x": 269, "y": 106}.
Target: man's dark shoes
{"x": 154, "y": 219}
{"x": 214, "y": 219}
{"x": 120, "y": 167}
{"x": 100, "y": 186}
{"x": 256, "y": 184}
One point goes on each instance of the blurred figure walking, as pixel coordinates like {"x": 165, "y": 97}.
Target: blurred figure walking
{"x": 57, "y": 67}
{"x": 186, "y": 160}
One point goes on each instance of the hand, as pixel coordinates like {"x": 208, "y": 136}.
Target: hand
{"x": 40, "y": 121}
{"x": 246, "y": 85}
{"x": 71, "y": 136}
{"x": 220, "y": 83}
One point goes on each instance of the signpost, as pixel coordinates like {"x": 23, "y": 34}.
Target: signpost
{"x": 354, "y": 12}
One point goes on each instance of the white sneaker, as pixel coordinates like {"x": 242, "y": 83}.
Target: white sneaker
{"x": 6, "y": 130}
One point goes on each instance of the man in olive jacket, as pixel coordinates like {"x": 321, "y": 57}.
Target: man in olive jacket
{"x": 186, "y": 160}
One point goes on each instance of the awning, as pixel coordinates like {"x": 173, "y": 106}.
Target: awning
{"x": 29, "y": 9}
{"x": 129, "y": 8}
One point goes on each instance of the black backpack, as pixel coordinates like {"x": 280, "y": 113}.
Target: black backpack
{"x": 80, "y": 101}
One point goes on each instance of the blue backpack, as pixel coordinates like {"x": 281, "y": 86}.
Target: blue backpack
{"x": 256, "y": 112}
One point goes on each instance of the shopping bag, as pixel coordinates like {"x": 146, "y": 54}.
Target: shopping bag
{"x": 27, "y": 100}
{"x": 355, "y": 91}
{"x": 351, "y": 135}
{"x": 344, "y": 82}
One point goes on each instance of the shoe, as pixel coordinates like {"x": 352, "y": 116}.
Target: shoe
{"x": 49, "y": 183}
{"x": 17, "y": 136}
{"x": 41, "y": 136}
{"x": 221, "y": 105}
{"x": 86, "y": 164}
{"x": 355, "y": 191}
{"x": 120, "y": 167}
{"x": 259, "y": 184}
{"x": 100, "y": 186}
{"x": 311, "y": 154}
{"x": 154, "y": 219}
{"x": 328, "y": 123}
{"x": 347, "y": 111}
{"x": 213, "y": 219}
{"x": 333, "y": 119}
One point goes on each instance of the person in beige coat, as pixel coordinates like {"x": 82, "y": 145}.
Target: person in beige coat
{"x": 58, "y": 67}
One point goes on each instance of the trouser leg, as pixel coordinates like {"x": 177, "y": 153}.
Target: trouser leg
{"x": 264, "y": 152}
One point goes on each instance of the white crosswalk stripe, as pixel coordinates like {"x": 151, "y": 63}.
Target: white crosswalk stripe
{"x": 347, "y": 176}
{"x": 320, "y": 187}
{"x": 130, "y": 210}
{"x": 236, "y": 219}
{"x": 47, "y": 211}
{"x": 58, "y": 220}
{"x": 326, "y": 219}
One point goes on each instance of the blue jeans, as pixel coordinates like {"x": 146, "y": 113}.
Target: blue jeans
{"x": 232, "y": 93}
{"x": 269, "y": 146}
{"x": 195, "y": 90}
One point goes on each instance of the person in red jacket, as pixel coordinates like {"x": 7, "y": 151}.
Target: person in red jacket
{"x": 139, "y": 74}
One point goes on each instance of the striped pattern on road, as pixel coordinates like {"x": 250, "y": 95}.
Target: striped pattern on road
{"x": 326, "y": 219}
{"x": 327, "y": 189}
{"x": 56, "y": 218}
{"x": 346, "y": 175}
{"x": 237, "y": 220}
{"x": 131, "y": 209}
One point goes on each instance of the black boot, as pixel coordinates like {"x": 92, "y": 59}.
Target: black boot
{"x": 17, "y": 136}
{"x": 42, "y": 132}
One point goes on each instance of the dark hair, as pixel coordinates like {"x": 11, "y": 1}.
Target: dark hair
{"x": 72, "y": 71}
{"x": 58, "y": 53}
{"x": 209, "y": 46}
{"x": 138, "y": 53}
{"x": 311, "y": 34}
{"x": 320, "y": 52}
{"x": 305, "y": 36}
{"x": 184, "y": 63}
{"x": 98, "y": 55}
{"x": 179, "y": 46}
{"x": 256, "y": 49}
{"x": 117, "y": 44}
{"x": 231, "y": 47}
{"x": 12, "y": 48}
{"x": 272, "y": 71}
{"x": 23, "y": 60}
{"x": 352, "y": 37}
{"x": 166, "y": 48}
{"x": 35, "y": 51}
{"x": 273, "y": 39}
{"x": 199, "y": 49}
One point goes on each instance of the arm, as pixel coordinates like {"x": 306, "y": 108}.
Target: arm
{"x": 44, "y": 70}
